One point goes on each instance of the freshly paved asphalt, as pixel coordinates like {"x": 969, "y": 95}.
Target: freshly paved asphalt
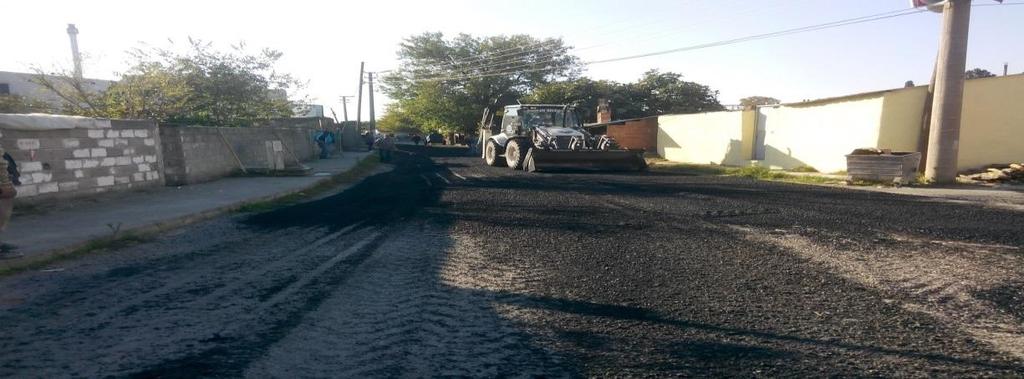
{"x": 446, "y": 267}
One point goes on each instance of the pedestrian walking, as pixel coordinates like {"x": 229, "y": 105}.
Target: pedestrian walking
{"x": 324, "y": 139}
{"x": 385, "y": 146}
{"x": 9, "y": 177}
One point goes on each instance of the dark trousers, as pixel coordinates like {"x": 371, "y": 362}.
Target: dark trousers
{"x": 385, "y": 155}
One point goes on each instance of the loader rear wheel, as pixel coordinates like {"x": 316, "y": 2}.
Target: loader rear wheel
{"x": 491, "y": 154}
{"x": 515, "y": 154}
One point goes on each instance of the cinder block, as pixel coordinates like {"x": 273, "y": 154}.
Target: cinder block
{"x": 128, "y": 151}
{"x": 108, "y": 162}
{"x": 141, "y": 133}
{"x": 139, "y": 176}
{"x": 48, "y": 188}
{"x": 95, "y": 133}
{"x": 152, "y": 175}
{"x": 28, "y": 144}
{"x": 122, "y": 180}
{"x": 104, "y": 181}
{"x": 151, "y": 159}
{"x": 138, "y": 159}
{"x": 70, "y": 143}
{"x": 124, "y": 161}
{"x": 41, "y": 177}
{"x": 128, "y": 133}
{"x": 113, "y": 134}
{"x": 28, "y": 190}
{"x": 68, "y": 186}
{"x": 105, "y": 142}
{"x": 98, "y": 152}
{"x": 144, "y": 167}
{"x": 90, "y": 163}
{"x": 30, "y": 166}
{"x": 149, "y": 142}
{"x": 72, "y": 164}
{"x": 121, "y": 142}
{"x": 79, "y": 174}
{"x": 80, "y": 153}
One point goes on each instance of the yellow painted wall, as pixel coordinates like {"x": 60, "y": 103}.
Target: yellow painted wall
{"x": 819, "y": 136}
{"x": 715, "y": 138}
{"x": 992, "y": 124}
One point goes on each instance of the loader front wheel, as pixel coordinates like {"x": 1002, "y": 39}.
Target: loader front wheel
{"x": 515, "y": 154}
{"x": 491, "y": 154}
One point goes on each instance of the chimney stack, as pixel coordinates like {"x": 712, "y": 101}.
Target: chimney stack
{"x": 75, "y": 56}
{"x": 604, "y": 111}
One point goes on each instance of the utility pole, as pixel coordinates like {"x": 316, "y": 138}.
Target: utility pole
{"x": 373, "y": 120}
{"x": 359, "y": 99}
{"x": 344, "y": 107}
{"x": 944, "y": 139}
{"x": 76, "y": 57}
{"x": 1006, "y": 68}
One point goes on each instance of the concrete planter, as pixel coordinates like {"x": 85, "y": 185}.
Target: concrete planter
{"x": 897, "y": 167}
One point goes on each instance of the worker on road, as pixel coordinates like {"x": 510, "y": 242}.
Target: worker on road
{"x": 9, "y": 177}
{"x": 385, "y": 146}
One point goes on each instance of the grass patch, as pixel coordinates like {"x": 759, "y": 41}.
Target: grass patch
{"x": 688, "y": 168}
{"x": 804, "y": 168}
{"x": 764, "y": 173}
{"x": 365, "y": 166}
{"x": 101, "y": 244}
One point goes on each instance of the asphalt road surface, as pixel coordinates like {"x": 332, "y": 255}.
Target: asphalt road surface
{"x": 446, "y": 267}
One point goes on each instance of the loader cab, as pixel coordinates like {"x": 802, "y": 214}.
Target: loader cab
{"x": 521, "y": 119}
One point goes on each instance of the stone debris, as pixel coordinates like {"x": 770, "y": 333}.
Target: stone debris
{"x": 1012, "y": 173}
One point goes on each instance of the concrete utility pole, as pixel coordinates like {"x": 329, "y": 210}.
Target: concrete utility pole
{"x": 1006, "y": 68}
{"x": 76, "y": 57}
{"x": 373, "y": 120}
{"x": 359, "y": 99}
{"x": 944, "y": 139}
{"x": 344, "y": 107}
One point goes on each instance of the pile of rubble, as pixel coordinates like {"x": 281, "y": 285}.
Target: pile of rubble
{"x": 1014, "y": 173}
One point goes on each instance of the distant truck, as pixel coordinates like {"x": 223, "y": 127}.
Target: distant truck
{"x": 539, "y": 137}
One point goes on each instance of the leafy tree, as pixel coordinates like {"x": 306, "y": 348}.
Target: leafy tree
{"x": 753, "y": 101}
{"x": 18, "y": 104}
{"x": 655, "y": 93}
{"x": 200, "y": 85}
{"x": 444, "y": 84}
{"x": 978, "y": 73}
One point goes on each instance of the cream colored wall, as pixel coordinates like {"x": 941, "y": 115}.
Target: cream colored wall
{"x": 992, "y": 124}
{"x": 819, "y": 135}
{"x": 715, "y": 138}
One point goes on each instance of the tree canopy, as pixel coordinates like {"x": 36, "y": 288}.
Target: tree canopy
{"x": 199, "y": 85}
{"x": 444, "y": 84}
{"x": 654, "y": 93}
{"x": 978, "y": 73}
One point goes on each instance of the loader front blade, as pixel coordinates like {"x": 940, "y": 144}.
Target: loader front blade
{"x": 601, "y": 160}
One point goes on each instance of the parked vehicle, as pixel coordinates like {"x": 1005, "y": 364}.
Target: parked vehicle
{"x": 433, "y": 138}
{"x": 537, "y": 137}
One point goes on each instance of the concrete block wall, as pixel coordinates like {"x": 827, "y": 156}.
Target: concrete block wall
{"x": 196, "y": 154}
{"x": 68, "y": 163}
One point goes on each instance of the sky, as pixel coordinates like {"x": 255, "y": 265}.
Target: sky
{"x": 324, "y": 42}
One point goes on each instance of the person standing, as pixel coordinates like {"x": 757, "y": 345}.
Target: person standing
{"x": 385, "y": 146}
{"x": 9, "y": 177}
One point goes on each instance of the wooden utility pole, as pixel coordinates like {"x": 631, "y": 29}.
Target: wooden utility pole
{"x": 344, "y": 107}
{"x": 944, "y": 139}
{"x": 359, "y": 99}
{"x": 373, "y": 120}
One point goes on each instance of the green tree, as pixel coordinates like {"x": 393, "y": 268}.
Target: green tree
{"x": 17, "y": 104}
{"x": 978, "y": 73}
{"x": 759, "y": 100}
{"x": 654, "y": 94}
{"x": 444, "y": 84}
{"x": 199, "y": 85}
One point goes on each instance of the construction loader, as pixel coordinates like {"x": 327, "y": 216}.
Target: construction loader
{"x": 541, "y": 137}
